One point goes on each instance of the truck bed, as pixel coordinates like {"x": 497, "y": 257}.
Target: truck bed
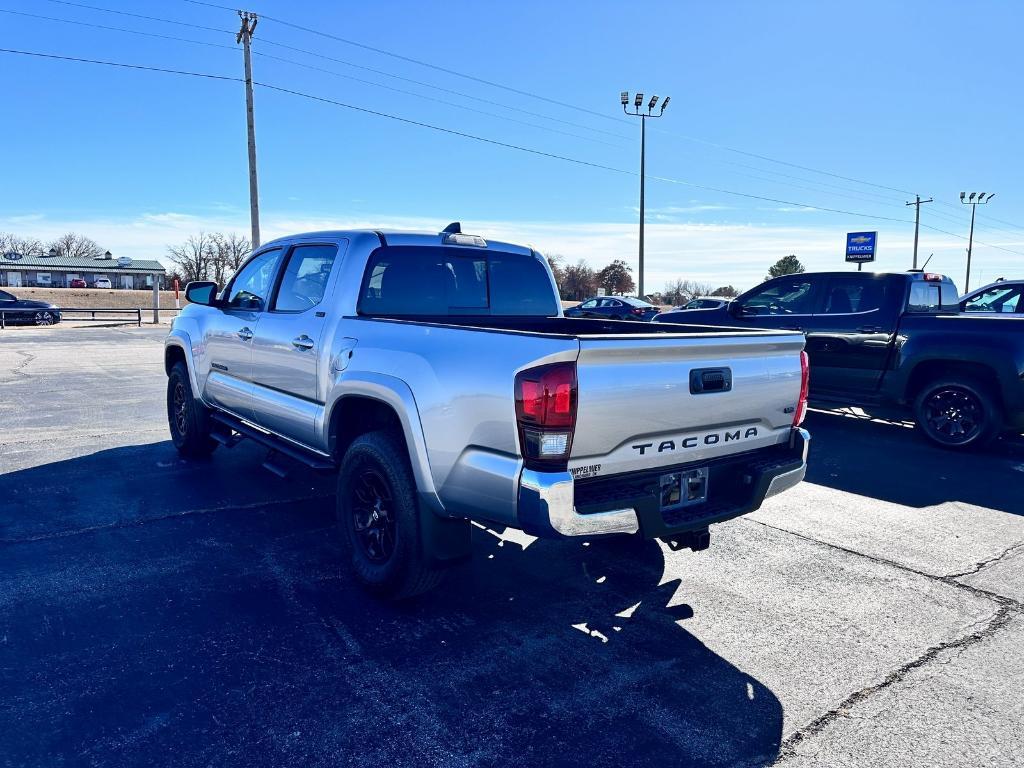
{"x": 573, "y": 327}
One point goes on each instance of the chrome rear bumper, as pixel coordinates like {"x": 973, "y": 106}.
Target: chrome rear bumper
{"x": 547, "y": 503}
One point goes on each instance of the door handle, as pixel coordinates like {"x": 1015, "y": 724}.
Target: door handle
{"x": 245, "y": 334}
{"x": 792, "y": 328}
{"x": 869, "y": 329}
{"x": 302, "y": 342}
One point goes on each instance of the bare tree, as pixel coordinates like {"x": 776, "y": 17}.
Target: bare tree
{"x": 76, "y": 246}
{"x": 555, "y": 262}
{"x": 194, "y": 258}
{"x": 579, "y": 281}
{"x": 680, "y": 291}
{"x": 229, "y": 251}
{"x": 26, "y": 246}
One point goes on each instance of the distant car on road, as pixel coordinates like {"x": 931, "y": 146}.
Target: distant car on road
{"x": 103, "y": 282}
{"x": 1000, "y": 297}
{"x": 78, "y": 283}
{"x": 704, "y": 302}
{"x": 614, "y": 308}
{"x": 27, "y": 311}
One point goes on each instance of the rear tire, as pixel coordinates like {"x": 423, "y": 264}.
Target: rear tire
{"x": 957, "y": 413}
{"x": 188, "y": 419}
{"x": 380, "y": 519}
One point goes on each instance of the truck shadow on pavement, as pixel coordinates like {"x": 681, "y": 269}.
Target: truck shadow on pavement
{"x": 892, "y": 462}
{"x": 148, "y": 619}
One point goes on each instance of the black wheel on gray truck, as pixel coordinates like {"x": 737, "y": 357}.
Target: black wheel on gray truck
{"x": 958, "y": 413}
{"x": 379, "y": 518}
{"x": 187, "y": 418}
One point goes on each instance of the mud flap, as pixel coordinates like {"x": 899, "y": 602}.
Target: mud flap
{"x": 446, "y": 541}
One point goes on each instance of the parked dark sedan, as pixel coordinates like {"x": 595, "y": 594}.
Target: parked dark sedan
{"x": 614, "y": 308}
{"x": 17, "y": 310}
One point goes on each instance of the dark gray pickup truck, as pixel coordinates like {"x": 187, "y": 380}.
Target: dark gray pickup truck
{"x": 894, "y": 339}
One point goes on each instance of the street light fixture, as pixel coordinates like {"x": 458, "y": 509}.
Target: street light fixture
{"x": 637, "y": 107}
{"x": 974, "y": 203}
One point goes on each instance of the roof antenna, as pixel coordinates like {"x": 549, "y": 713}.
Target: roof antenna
{"x": 923, "y": 266}
{"x": 455, "y": 228}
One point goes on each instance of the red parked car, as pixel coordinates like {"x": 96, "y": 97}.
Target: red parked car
{"x": 78, "y": 283}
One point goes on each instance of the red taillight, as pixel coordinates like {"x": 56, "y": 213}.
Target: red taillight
{"x": 932, "y": 277}
{"x": 637, "y": 311}
{"x": 546, "y": 412}
{"x": 805, "y": 381}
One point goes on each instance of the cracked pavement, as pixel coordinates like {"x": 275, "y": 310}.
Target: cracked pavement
{"x": 158, "y": 612}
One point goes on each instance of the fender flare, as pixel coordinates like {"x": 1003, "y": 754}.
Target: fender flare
{"x": 180, "y": 339}
{"x": 395, "y": 393}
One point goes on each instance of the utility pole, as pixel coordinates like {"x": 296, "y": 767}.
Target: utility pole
{"x": 917, "y": 221}
{"x": 974, "y": 201}
{"x": 637, "y": 104}
{"x": 249, "y": 21}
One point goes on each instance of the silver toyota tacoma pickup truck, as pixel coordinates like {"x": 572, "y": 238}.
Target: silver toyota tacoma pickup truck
{"x": 438, "y": 377}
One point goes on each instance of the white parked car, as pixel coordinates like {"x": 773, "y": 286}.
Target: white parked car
{"x": 102, "y": 282}
{"x": 705, "y": 302}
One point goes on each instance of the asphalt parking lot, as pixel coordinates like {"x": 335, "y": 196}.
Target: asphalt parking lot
{"x": 157, "y": 612}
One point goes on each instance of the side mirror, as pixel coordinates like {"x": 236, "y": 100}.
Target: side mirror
{"x": 736, "y": 309}
{"x": 202, "y": 292}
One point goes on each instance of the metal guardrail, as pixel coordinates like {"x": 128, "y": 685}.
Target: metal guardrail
{"x": 134, "y": 313}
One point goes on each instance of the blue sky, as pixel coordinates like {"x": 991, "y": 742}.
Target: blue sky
{"x": 916, "y": 97}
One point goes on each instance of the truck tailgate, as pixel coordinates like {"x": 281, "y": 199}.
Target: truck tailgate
{"x": 637, "y": 408}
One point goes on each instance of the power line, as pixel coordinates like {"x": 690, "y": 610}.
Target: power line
{"x": 442, "y": 89}
{"x": 137, "y": 15}
{"x": 105, "y": 27}
{"x": 485, "y": 81}
{"x": 383, "y": 73}
{"x": 75, "y": 22}
{"x": 977, "y": 242}
{"x": 434, "y": 99}
{"x": 546, "y": 99}
{"x": 122, "y": 65}
{"x": 494, "y": 142}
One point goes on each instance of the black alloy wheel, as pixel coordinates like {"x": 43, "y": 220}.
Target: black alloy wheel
{"x": 179, "y": 408}
{"x": 958, "y": 414}
{"x": 44, "y": 318}
{"x": 373, "y": 514}
{"x": 955, "y": 413}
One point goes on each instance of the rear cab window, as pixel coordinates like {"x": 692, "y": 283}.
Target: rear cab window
{"x": 932, "y": 296}
{"x": 426, "y": 281}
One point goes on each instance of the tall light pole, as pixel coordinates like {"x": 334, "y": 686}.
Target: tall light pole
{"x": 974, "y": 200}
{"x": 637, "y": 107}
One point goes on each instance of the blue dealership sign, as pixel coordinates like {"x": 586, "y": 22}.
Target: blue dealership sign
{"x": 860, "y": 246}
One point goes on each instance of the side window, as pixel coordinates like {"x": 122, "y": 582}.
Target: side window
{"x": 788, "y": 296}
{"x": 849, "y": 296}
{"x": 305, "y": 277}
{"x": 589, "y": 304}
{"x": 250, "y": 287}
{"x": 4, "y": 296}
{"x": 996, "y": 299}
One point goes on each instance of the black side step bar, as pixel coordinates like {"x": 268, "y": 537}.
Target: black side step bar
{"x": 272, "y": 442}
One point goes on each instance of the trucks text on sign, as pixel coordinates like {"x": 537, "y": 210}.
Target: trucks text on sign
{"x": 860, "y": 246}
